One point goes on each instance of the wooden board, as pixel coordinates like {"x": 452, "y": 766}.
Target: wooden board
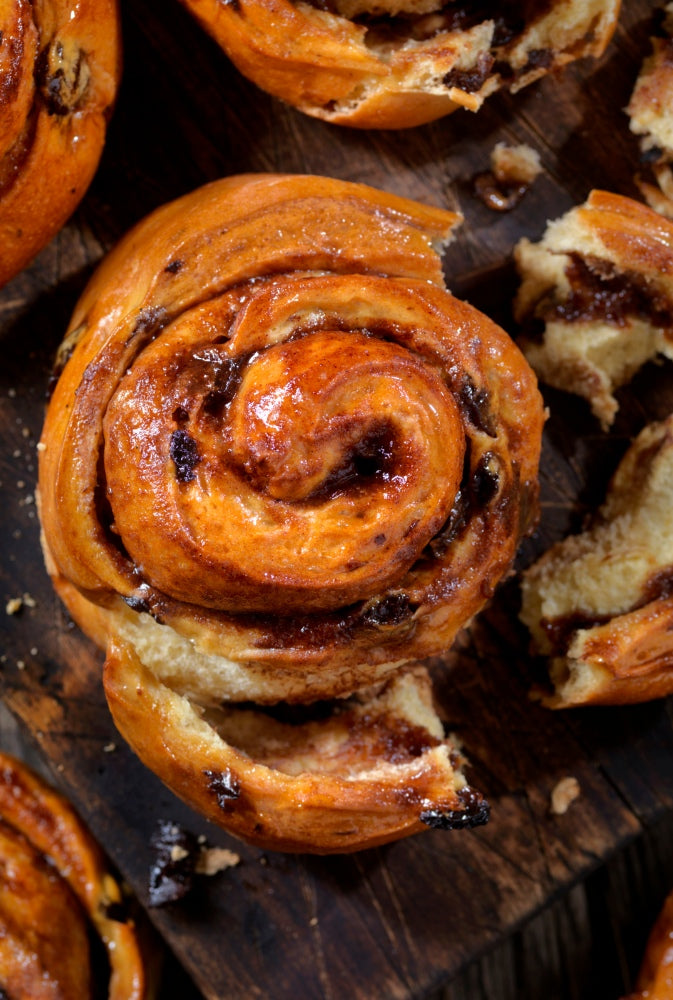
{"x": 397, "y": 921}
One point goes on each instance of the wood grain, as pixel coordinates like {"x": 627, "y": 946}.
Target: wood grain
{"x": 398, "y": 921}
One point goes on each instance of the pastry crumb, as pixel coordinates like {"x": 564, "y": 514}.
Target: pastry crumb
{"x": 564, "y": 794}
{"x": 212, "y": 860}
{"x": 14, "y": 605}
{"x": 513, "y": 170}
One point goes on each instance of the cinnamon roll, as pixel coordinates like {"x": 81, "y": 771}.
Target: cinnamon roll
{"x": 600, "y": 604}
{"x": 280, "y": 463}
{"x": 398, "y": 63}
{"x": 596, "y": 298}
{"x": 59, "y": 69}
{"x": 54, "y": 886}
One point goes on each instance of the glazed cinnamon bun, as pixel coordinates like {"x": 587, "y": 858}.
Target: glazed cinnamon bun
{"x": 54, "y": 886}
{"x": 280, "y": 463}
{"x": 599, "y": 604}
{"x": 59, "y": 70}
{"x": 398, "y": 63}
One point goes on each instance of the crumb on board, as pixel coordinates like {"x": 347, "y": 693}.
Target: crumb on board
{"x": 564, "y": 794}
{"x": 513, "y": 170}
{"x": 515, "y": 164}
{"x": 215, "y": 859}
{"x": 109, "y": 747}
{"x": 15, "y": 604}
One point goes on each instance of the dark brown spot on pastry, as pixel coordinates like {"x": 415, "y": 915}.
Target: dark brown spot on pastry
{"x": 62, "y": 74}
{"x": 476, "y": 812}
{"x": 485, "y": 481}
{"x": 476, "y": 404}
{"x": 392, "y": 610}
{"x": 470, "y": 80}
{"x": 225, "y": 786}
{"x": 184, "y": 453}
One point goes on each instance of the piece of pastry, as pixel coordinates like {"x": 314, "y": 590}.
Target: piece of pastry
{"x": 280, "y": 463}
{"x": 59, "y": 67}
{"x": 398, "y": 63}
{"x": 655, "y": 981}
{"x": 55, "y": 889}
{"x": 599, "y": 604}
{"x": 513, "y": 170}
{"x": 650, "y": 112}
{"x": 596, "y": 297}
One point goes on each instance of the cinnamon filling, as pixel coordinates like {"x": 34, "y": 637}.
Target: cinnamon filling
{"x": 561, "y": 630}
{"x": 418, "y": 22}
{"x": 601, "y": 293}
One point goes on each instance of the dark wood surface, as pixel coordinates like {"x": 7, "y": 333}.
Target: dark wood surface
{"x": 402, "y": 920}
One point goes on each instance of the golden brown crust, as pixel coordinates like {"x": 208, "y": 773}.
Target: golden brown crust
{"x": 60, "y": 70}
{"x": 654, "y": 980}
{"x": 600, "y": 283}
{"x": 599, "y": 603}
{"x": 282, "y": 460}
{"x": 54, "y": 878}
{"x": 396, "y": 72}
{"x": 650, "y": 112}
{"x": 369, "y": 774}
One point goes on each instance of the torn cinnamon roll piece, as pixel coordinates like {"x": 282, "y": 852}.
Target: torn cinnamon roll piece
{"x": 650, "y": 112}
{"x": 399, "y": 63}
{"x": 56, "y": 894}
{"x": 600, "y": 604}
{"x": 281, "y": 463}
{"x": 59, "y": 71}
{"x": 596, "y": 298}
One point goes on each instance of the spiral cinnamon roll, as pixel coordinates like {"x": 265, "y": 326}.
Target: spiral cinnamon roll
{"x": 280, "y": 462}
{"x": 54, "y": 885}
{"x": 59, "y": 70}
{"x": 398, "y": 63}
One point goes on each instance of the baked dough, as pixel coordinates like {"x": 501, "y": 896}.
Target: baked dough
{"x": 654, "y": 979}
{"x": 599, "y": 604}
{"x": 53, "y": 882}
{"x": 398, "y": 63}
{"x": 281, "y": 462}
{"x": 650, "y": 112}
{"x": 59, "y": 67}
{"x": 596, "y": 298}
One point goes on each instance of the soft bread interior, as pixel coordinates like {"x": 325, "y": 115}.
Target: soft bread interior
{"x": 597, "y": 603}
{"x": 578, "y": 348}
{"x": 372, "y": 769}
